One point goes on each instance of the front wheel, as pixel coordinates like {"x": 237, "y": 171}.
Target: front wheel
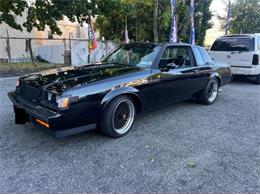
{"x": 210, "y": 93}
{"x": 118, "y": 117}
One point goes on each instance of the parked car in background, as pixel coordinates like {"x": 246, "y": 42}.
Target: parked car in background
{"x": 108, "y": 94}
{"x": 241, "y": 52}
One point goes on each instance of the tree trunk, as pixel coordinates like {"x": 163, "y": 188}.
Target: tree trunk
{"x": 29, "y": 44}
{"x": 155, "y": 21}
{"x": 8, "y": 48}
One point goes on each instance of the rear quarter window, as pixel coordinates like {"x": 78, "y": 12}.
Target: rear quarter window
{"x": 202, "y": 56}
{"x": 234, "y": 44}
{"x": 205, "y": 55}
{"x": 198, "y": 55}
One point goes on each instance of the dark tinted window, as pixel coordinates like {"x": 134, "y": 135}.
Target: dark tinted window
{"x": 233, "y": 44}
{"x": 181, "y": 56}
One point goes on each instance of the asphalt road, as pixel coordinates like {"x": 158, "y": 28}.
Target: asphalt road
{"x": 185, "y": 148}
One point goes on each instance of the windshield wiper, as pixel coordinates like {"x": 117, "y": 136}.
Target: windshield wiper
{"x": 122, "y": 64}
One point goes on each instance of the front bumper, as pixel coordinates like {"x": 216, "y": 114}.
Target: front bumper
{"x": 48, "y": 120}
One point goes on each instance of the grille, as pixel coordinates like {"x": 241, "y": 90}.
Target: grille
{"x": 29, "y": 93}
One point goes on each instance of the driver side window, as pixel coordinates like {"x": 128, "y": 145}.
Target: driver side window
{"x": 181, "y": 56}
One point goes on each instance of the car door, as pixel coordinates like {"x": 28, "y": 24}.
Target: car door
{"x": 204, "y": 67}
{"x": 175, "y": 84}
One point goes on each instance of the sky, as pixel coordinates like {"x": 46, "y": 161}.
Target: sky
{"x": 218, "y": 7}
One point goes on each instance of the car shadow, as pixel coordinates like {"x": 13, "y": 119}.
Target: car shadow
{"x": 243, "y": 79}
{"x": 98, "y": 135}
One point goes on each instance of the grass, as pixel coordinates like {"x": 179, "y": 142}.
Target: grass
{"x": 25, "y": 67}
{"x": 191, "y": 164}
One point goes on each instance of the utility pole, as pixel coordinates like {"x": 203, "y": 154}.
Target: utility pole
{"x": 155, "y": 21}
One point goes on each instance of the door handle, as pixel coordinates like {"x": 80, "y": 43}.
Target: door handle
{"x": 196, "y": 71}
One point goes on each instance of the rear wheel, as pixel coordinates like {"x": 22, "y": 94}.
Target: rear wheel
{"x": 257, "y": 79}
{"x": 118, "y": 117}
{"x": 210, "y": 93}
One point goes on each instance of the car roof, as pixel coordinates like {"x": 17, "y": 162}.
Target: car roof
{"x": 240, "y": 35}
{"x": 178, "y": 44}
{"x": 161, "y": 44}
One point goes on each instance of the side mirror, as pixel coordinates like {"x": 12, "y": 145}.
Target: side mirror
{"x": 171, "y": 66}
{"x": 208, "y": 63}
{"x": 166, "y": 65}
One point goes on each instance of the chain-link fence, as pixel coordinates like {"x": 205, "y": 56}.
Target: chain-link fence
{"x": 53, "y": 51}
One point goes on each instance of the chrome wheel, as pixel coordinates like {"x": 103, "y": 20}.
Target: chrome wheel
{"x": 123, "y": 116}
{"x": 213, "y": 91}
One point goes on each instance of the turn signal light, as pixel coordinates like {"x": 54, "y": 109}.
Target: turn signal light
{"x": 42, "y": 123}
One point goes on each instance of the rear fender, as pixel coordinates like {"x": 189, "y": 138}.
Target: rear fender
{"x": 217, "y": 76}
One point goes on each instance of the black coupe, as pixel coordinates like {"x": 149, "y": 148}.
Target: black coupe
{"x": 108, "y": 94}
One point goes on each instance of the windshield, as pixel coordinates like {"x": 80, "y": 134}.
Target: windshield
{"x": 234, "y": 44}
{"x": 140, "y": 55}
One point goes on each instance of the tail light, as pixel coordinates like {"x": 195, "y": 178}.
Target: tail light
{"x": 255, "y": 59}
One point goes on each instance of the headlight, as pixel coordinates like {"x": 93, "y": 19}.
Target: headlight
{"x": 63, "y": 102}
{"x": 17, "y": 83}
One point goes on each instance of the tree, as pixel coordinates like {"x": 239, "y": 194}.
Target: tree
{"x": 113, "y": 14}
{"x": 182, "y": 20}
{"x": 111, "y": 24}
{"x": 42, "y": 13}
{"x": 202, "y": 20}
{"x": 155, "y": 21}
{"x": 10, "y": 8}
{"x": 245, "y": 16}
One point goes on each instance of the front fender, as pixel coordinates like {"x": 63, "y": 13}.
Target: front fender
{"x": 120, "y": 91}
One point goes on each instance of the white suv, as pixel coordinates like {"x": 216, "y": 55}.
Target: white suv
{"x": 241, "y": 52}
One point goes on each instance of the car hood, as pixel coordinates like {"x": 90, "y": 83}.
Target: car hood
{"x": 61, "y": 79}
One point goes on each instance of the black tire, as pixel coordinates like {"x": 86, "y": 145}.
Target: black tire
{"x": 119, "y": 112}
{"x": 209, "y": 95}
{"x": 257, "y": 79}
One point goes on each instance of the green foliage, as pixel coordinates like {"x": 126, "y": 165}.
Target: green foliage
{"x": 111, "y": 21}
{"x": 191, "y": 164}
{"x": 111, "y": 17}
{"x": 8, "y": 9}
{"x": 245, "y": 16}
{"x": 42, "y": 13}
{"x": 202, "y": 19}
{"x": 182, "y": 20}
